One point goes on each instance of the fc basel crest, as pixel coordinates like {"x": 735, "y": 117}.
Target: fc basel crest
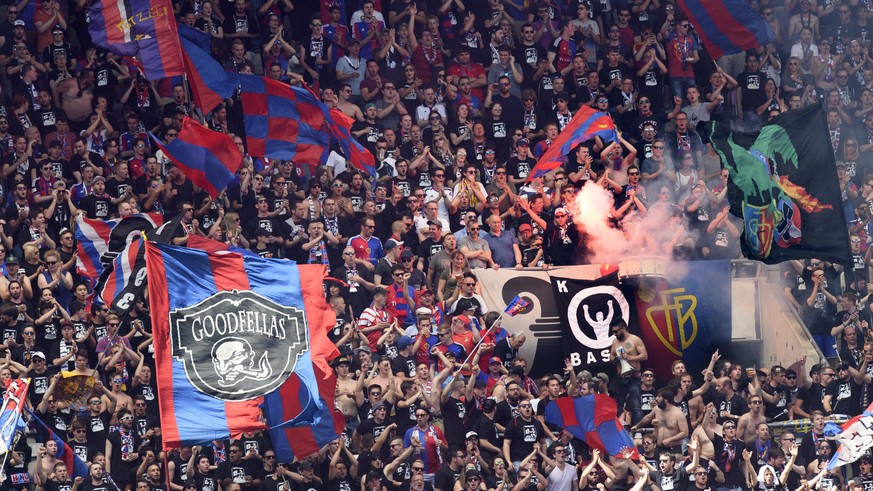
{"x": 238, "y": 345}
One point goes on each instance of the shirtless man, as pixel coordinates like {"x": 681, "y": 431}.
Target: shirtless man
{"x": 749, "y": 422}
{"x": 343, "y": 104}
{"x": 708, "y": 426}
{"x": 671, "y": 427}
{"x": 345, "y": 388}
{"x": 627, "y": 352}
{"x": 75, "y": 96}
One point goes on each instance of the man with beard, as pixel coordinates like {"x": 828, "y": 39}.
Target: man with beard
{"x": 562, "y": 239}
{"x": 673, "y": 427}
{"x": 125, "y": 441}
{"x": 627, "y": 352}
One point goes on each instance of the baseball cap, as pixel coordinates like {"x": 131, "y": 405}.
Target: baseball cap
{"x": 561, "y": 210}
{"x": 391, "y": 244}
{"x": 363, "y": 348}
{"x": 12, "y": 260}
{"x": 480, "y": 384}
{"x": 18, "y": 23}
{"x": 97, "y": 179}
{"x": 406, "y": 254}
{"x": 37, "y": 354}
{"x": 342, "y": 359}
{"x": 471, "y": 434}
{"x": 405, "y": 342}
{"x": 369, "y": 105}
{"x": 522, "y": 141}
{"x": 603, "y": 377}
{"x": 57, "y": 28}
{"x": 525, "y": 227}
{"x": 495, "y": 359}
{"x": 424, "y": 291}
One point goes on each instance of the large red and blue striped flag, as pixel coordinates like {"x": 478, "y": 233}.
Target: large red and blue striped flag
{"x": 234, "y": 334}
{"x": 593, "y": 419}
{"x": 283, "y": 122}
{"x": 210, "y": 83}
{"x": 727, "y": 27}
{"x": 585, "y": 125}
{"x": 75, "y": 466}
{"x": 207, "y": 157}
{"x": 99, "y": 241}
{"x": 139, "y": 27}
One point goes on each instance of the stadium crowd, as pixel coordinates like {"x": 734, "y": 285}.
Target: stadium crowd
{"x": 456, "y": 100}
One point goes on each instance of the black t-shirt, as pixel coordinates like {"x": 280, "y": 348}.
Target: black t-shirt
{"x": 445, "y": 478}
{"x": 454, "y": 411}
{"x": 522, "y": 436}
{"x": 87, "y": 485}
{"x": 845, "y": 396}
{"x": 778, "y": 411}
{"x": 236, "y": 472}
{"x": 371, "y": 427}
{"x": 405, "y": 364}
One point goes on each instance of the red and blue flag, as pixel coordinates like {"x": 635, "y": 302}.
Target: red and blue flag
{"x": 139, "y": 27}
{"x": 585, "y": 125}
{"x": 727, "y": 27}
{"x": 340, "y": 128}
{"x": 283, "y": 122}
{"x": 10, "y": 413}
{"x": 516, "y": 306}
{"x": 235, "y": 335}
{"x": 208, "y": 158}
{"x": 75, "y": 466}
{"x": 593, "y": 419}
{"x": 210, "y": 83}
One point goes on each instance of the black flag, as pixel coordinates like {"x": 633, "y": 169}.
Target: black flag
{"x": 586, "y": 309}
{"x": 783, "y": 184}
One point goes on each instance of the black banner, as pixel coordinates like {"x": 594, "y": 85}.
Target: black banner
{"x": 586, "y": 308}
{"x": 783, "y": 184}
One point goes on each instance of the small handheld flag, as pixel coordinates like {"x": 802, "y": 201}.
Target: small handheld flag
{"x": 517, "y": 306}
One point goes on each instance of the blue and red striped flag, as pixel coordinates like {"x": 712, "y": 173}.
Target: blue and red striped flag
{"x": 593, "y": 419}
{"x": 210, "y": 83}
{"x": 283, "y": 122}
{"x": 516, "y": 306}
{"x": 139, "y": 27}
{"x": 208, "y": 158}
{"x": 75, "y": 466}
{"x": 234, "y": 333}
{"x": 340, "y": 129}
{"x": 99, "y": 241}
{"x": 727, "y": 27}
{"x": 585, "y": 125}
{"x": 10, "y": 413}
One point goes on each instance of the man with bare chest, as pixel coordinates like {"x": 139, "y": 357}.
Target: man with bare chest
{"x": 748, "y": 422}
{"x": 627, "y": 352}
{"x": 671, "y": 426}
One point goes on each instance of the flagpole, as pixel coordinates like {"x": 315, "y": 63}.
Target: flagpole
{"x": 482, "y": 338}
{"x": 11, "y": 449}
